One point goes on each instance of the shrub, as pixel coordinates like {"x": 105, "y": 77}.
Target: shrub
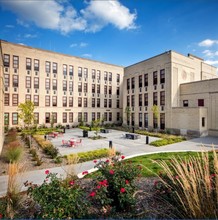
{"x": 13, "y": 154}
{"x": 51, "y": 150}
{"x": 58, "y": 160}
{"x": 167, "y": 141}
{"x": 59, "y": 200}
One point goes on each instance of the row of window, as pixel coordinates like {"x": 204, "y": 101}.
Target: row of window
{"x": 67, "y": 69}
{"x": 140, "y": 80}
{"x": 144, "y": 102}
{"x": 200, "y": 103}
{"x": 67, "y": 117}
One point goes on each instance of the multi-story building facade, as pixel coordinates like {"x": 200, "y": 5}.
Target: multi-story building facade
{"x": 159, "y": 81}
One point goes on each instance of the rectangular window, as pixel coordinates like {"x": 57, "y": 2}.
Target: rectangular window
{"x": 64, "y": 69}
{"x": 54, "y": 117}
{"x": 105, "y": 103}
{"x": 200, "y": 102}
{"x": 79, "y": 87}
{"x": 15, "y": 62}
{"x": 110, "y": 76}
{"x": 36, "y": 118}
{"x": 70, "y": 101}
{"x": 93, "y": 74}
{"x": 47, "y": 100}
{"x": 110, "y": 116}
{"x": 64, "y": 85}
{"x": 7, "y": 80}
{"x": 14, "y": 118}
{"x": 118, "y": 116}
{"x": 15, "y": 99}
{"x": 85, "y": 102}
{"x": 71, "y": 70}
{"x": 105, "y": 116}
{"x": 64, "y": 117}
{"x": 110, "y": 90}
{"x": 36, "y": 82}
{"x": 85, "y": 73}
{"x": 79, "y": 116}
{"x": 155, "y": 125}
{"x": 132, "y": 100}
{"x": 98, "y": 115}
{"x": 36, "y": 65}
{"x": 105, "y": 76}
{"x": 6, "y": 60}
{"x": 203, "y": 121}
{"x": 133, "y": 83}
{"x": 27, "y": 98}
{"x": 118, "y": 78}
{"x": 128, "y": 100}
{"x": 7, "y": 99}
{"x": 47, "y": 84}
{"x": 15, "y": 80}
{"x": 93, "y": 102}
{"x": 105, "y": 90}
{"x": 36, "y": 100}
{"x": 162, "y": 76}
{"x": 155, "y": 98}
{"x": 140, "y": 81}
{"x": 79, "y": 102}
{"x": 93, "y": 88}
{"x": 47, "y": 67}
{"x": 47, "y": 117}
{"x": 54, "y": 67}
{"x": 146, "y": 120}
{"x": 80, "y": 74}
{"x": 93, "y": 116}
{"x": 118, "y": 91}
{"x": 28, "y": 82}
{"x": 54, "y": 101}
{"x": 140, "y": 119}
{"x": 110, "y": 103}
{"x": 64, "y": 101}
{"x": 128, "y": 84}
{"x": 162, "y": 121}
{"x": 146, "y": 99}
{"x": 140, "y": 99}
{"x": 146, "y": 80}
{"x": 162, "y": 98}
{"x": 98, "y": 103}
{"x": 71, "y": 86}
{"x": 155, "y": 78}
{"x": 28, "y": 63}
{"x": 6, "y": 118}
{"x": 133, "y": 119}
{"x": 70, "y": 117}
{"x": 98, "y": 89}
{"x": 85, "y": 117}
{"x": 118, "y": 103}
{"x": 85, "y": 87}
{"x": 185, "y": 103}
{"x": 98, "y": 75}
{"x": 54, "y": 84}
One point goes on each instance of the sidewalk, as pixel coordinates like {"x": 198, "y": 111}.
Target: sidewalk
{"x": 128, "y": 148}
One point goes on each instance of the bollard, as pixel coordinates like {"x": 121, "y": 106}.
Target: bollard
{"x": 147, "y": 139}
{"x": 110, "y": 144}
{"x": 133, "y": 130}
{"x": 45, "y": 137}
{"x": 63, "y": 130}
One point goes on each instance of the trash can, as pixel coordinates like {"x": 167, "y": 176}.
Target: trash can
{"x": 147, "y": 139}
{"x": 85, "y": 133}
{"x": 63, "y": 130}
{"x": 67, "y": 126}
{"x": 110, "y": 144}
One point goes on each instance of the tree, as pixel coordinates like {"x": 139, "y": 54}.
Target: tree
{"x": 128, "y": 113}
{"x": 155, "y": 111}
{"x": 96, "y": 126}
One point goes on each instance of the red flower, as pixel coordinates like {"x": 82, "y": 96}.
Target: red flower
{"x": 111, "y": 172}
{"x": 71, "y": 182}
{"x": 85, "y": 172}
{"x": 122, "y": 157}
{"x": 98, "y": 187}
{"x": 47, "y": 172}
{"x": 1, "y": 216}
{"x": 127, "y": 181}
{"x": 176, "y": 177}
{"x": 107, "y": 161}
{"x": 95, "y": 161}
{"x": 103, "y": 183}
{"x": 122, "y": 190}
{"x": 92, "y": 194}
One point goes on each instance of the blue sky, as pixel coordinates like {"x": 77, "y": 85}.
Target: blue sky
{"x": 119, "y": 32}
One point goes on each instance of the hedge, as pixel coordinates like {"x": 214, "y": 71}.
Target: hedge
{"x": 167, "y": 141}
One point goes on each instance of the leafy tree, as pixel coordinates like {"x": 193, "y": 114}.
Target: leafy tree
{"x": 128, "y": 113}
{"x": 155, "y": 111}
{"x": 96, "y": 126}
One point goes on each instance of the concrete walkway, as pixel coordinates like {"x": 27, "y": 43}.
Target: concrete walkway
{"x": 128, "y": 148}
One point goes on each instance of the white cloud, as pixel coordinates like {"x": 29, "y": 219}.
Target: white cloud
{"x": 81, "y": 44}
{"x": 9, "y": 26}
{"x": 212, "y": 62}
{"x": 209, "y": 53}
{"x": 207, "y": 43}
{"x": 87, "y": 55}
{"x": 30, "y": 35}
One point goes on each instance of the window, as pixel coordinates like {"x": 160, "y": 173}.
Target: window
{"x": 28, "y": 63}
{"x": 132, "y": 100}
{"x": 71, "y": 86}
{"x": 15, "y": 62}
{"x": 6, "y": 118}
{"x": 54, "y": 117}
{"x": 155, "y": 98}
{"x": 85, "y": 87}
{"x": 146, "y": 120}
{"x": 64, "y": 69}
{"x": 85, "y": 102}
{"x": 105, "y": 116}
{"x": 140, "y": 119}
{"x": 128, "y": 84}
{"x": 118, "y": 91}
{"x": 36, "y": 65}
{"x": 36, "y": 118}
{"x": 146, "y": 99}
{"x": 128, "y": 100}
{"x": 70, "y": 117}
{"x": 98, "y": 103}
{"x": 47, "y": 67}
{"x": 162, "y": 76}
{"x": 93, "y": 74}
{"x": 98, "y": 115}
{"x": 71, "y": 70}
{"x": 146, "y": 80}
{"x": 28, "y": 82}
{"x": 85, "y": 73}
{"x": 105, "y": 90}
{"x": 7, "y": 80}
{"x": 14, "y": 118}
{"x": 105, "y": 76}
{"x": 79, "y": 87}
{"x": 203, "y": 121}
{"x": 64, "y": 117}
{"x": 98, "y": 74}
{"x": 85, "y": 117}
{"x": 110, "y": 76}
{"x": 162, "y": 121}
{"x": 200, "y": 102}
{"x": 118, "y": 103}
{"x": 54, "y": 84}
{"x": 155, "y": 125}
{"x": 36, "y": 83}
{"x": 110, "y": 90}
{"x": 47, "y": 84}
{"x": 93, "y": 102}
{"x": 93, "y": 116}
{"x": 93, "y": 88}
{"x": 64, "y": 85}
{"x": 15, "y": 99}
{"x": 47, "y": 100}
{"x": 162, "y": 98}
{"x": 7, "y": 99}
{"x": 133, "y": 83}
{"x": 54, "y": 101}
{"x": 27, "y": 98}
{"x": 6, "y": 60}
{"x": 105, "y": 103}
{"x": 54, "y": 67}
{"x": 64, "y": 101}
{"x": 47, "y": 117}
{"x": 110, "y": 116}
{"x": 80, "y": 72}
{"x": 140, "y": 99}
{"x": 15, "y": 80}
{"x": 79, "y": 102}
{"x": 110, "y": 103}
{"x": 118, "y": 116}
{"x": 140, "y": 81}
{"x": 155, "y": 78}
{"x": 118, "y": 78}
{"x": 79, "y": 116}
{"x": 70, "y": 101}
{"x": 133, "y": 119}
{"x": 98, "y": 89}
{"x": 36, "y": 100}
{"x": 185, "y": 103}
